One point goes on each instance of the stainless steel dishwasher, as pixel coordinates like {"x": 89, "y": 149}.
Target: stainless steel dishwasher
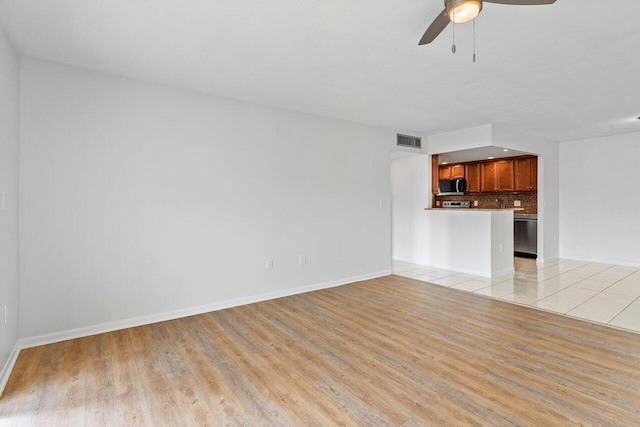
{"x": 525, "y": 235}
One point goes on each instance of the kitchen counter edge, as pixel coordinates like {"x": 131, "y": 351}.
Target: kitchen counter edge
{"x": 474, "y": 209}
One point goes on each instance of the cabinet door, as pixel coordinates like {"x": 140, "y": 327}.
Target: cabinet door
{"x": 526, "y": 174}
{"x": 534, "y": 174}
{"x": 489, "y": 183}
{"x": 457, "y": 172}
{"x": 445, "y": 172}
{"x": 434, "y": 174}
{"x": 522, "y": 174}
{"x": 504, "y": 175}
{"x": 472, "y": 173}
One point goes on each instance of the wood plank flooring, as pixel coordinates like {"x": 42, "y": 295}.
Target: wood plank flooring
{"x": 386, "y": 352}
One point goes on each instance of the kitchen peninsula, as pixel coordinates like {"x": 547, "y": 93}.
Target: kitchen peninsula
{"x": 474, "y": 241}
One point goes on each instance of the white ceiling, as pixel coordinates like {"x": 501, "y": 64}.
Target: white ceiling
{"x": 481, "y": 153}
{"x": 565, "y": 71}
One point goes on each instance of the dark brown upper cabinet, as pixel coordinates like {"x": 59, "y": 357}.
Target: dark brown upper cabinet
{"x": 497, "y": 176}
{"x": 472, "y": 173}
{"x": 451, "y": 172}
{"x": 526, "y": 174}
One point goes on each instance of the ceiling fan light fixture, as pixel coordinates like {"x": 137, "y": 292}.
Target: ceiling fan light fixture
{"x": 464, "y": 10}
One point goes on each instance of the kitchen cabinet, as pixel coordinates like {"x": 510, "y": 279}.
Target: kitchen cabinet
{"x": 496, "y": 176}
{"x": 526, "y": 174}
{"x": 451, "y": 172}
{"x": 504, "y": 175}
{"x": 472, "y": 173}
{"x": 489, "y": 183}
{"x": 434, "y": 174}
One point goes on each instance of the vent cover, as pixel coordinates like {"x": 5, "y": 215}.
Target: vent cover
{"x": 409, "y": 141}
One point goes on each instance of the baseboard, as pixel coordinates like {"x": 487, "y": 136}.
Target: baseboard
{"x": 8, "y": 367}
{"x": 456, "y": 269}
{"x": 510, "y": 270}
{"x": 402, "y": 259}
{"x": 542, "y": 261}
{"x": 176, "y": 314}
{"x": 601, "y": 261}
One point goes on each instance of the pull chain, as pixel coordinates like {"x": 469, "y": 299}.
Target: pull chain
{"x": 453, "y": 46}
{"x": 474, "y": 40}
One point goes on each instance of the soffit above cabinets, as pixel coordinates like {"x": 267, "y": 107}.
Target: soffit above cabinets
{"x": 474, "y": 154}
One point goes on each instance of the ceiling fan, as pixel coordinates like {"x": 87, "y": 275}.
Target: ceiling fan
{"x": 459, "y": 11}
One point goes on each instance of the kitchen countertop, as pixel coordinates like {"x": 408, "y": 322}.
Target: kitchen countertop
{"x": 526, "y": 216}
{"x": 475, "y": 209}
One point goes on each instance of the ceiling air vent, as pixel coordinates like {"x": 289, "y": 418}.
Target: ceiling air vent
{"x": 409, "y": 141}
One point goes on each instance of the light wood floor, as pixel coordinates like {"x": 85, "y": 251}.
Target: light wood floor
{"x": 390, "y": 351}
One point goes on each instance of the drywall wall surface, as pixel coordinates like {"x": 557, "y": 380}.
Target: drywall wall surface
{"x": 599, "y": 204}
{"x": 140, "y": 199}
{"x": 9, "y": 180}
{"x": 502, "y": 242}
{"x": 410, "y": 194}
{"x": 475, "y": 242}
{"x": 463, "y": 139}
{"x": 548, "y": 184}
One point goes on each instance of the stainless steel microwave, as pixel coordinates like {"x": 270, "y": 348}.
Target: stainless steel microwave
{"x": 452, "y": 187}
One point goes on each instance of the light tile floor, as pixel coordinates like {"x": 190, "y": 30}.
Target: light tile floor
{"x": 601, "y": 293}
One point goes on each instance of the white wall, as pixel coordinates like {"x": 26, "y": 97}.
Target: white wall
{"x": 9, "y": 150}
{"x": 501, "y": 242}
{"x": 462, "y": 240}
{"x": 599, "y": 203}
{"x": 139, "y": 199}
{"x": 410, "y": 194}
{"x": 463, "y": 139}
{"x": 548, "y": 184}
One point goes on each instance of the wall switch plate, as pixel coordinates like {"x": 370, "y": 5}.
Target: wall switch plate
{"x": 517, "y": 203}
{"x": 269, "y": 264}
{"x": 475, "y": 203}
{"x": 303, "y": 259}
{"x": 500, "y": 247}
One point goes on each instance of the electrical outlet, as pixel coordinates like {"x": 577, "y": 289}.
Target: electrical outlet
{"x": 500, "y": 247}
{"x": 517, "y": 203}
{"x": 475, "y": 203}
{"x": 303, "y": 259}
{"x": 269, "y": 264}
{"x": 438, "y": 203}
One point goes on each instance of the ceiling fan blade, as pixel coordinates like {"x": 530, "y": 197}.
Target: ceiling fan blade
{"x": 521, "y": 2}
{"x": 436, "y": 27}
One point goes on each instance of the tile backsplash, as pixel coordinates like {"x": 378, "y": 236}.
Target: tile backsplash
{"x": 529, "y": 201}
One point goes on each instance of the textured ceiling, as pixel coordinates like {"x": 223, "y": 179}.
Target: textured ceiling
{"x": 565, "y": 71}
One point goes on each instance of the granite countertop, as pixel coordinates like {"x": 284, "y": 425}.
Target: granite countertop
{"x": 475, "y": 209}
